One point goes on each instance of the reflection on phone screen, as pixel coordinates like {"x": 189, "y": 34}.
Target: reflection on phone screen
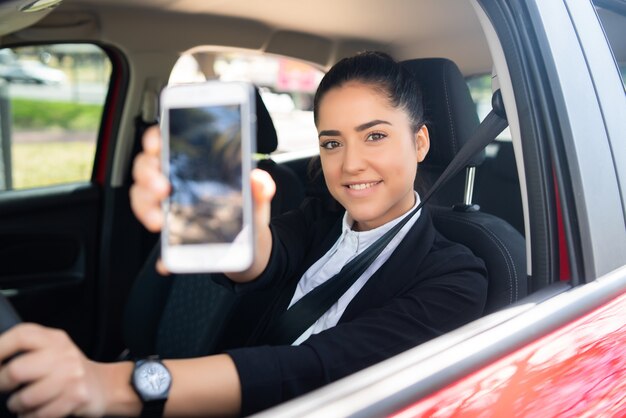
{"x": 205, "y": 173}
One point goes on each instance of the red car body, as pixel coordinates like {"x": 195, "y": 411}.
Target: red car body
{"x": 578, "y": 370}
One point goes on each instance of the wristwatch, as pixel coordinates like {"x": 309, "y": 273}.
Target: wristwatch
{"x": 152, "y": 381}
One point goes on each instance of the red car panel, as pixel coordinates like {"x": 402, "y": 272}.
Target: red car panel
{"x": 578, "y": 370}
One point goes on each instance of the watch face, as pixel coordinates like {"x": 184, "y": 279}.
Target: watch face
{"x": 152, "y": 380}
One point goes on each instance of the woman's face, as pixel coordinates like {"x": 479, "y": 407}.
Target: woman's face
{"x": 369, "y": 153}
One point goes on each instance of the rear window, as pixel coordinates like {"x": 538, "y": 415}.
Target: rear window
{"x": 287, "y": 87}
{"x": 51, "y": 103}
{"x": 614, "y": 25}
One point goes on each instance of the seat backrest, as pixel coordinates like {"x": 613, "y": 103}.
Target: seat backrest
{"x": 498, "y": 188}
{"x": 451, "y": 118}
{"x": 289, "y": 189}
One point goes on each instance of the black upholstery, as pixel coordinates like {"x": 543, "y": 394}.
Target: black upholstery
{"x": 448, "y": 108}
{"x": 500, "y": 245}
{"x": 289, "y": 190}
{"x": 452, "y": 119}
{"x": 267, "y": 140}
{"x": 497, "y": 186}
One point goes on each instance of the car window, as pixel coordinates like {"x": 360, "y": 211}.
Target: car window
{"x": 613, "y": 24}
{"x": 287, "y": 87}
{"x": 51, "y": 102}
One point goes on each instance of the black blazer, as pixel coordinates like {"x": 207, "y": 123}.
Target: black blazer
{"x": 427, "y": 287}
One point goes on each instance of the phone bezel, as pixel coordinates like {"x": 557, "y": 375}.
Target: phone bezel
{"x": 212, "y": 257}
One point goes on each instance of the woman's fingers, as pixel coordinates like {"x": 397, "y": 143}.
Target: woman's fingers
{"x": 161, "y": 269}
{"x": 36, "y": 395}
{"x": 147, "y": 207}
{"x": 263, "y": 186}
{"x": 151, "y": 141}
{"x": 53, "y": 376}
{"x": 27, "y": 367}
{"x": 150, "y": 185}
{"x": 31, "y": 340}
{"x": 147, "y": 171}
{"x": 57, "y": 408}
{"x": 263, "y": 190}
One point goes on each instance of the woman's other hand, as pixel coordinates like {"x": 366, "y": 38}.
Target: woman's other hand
{"x": 51, "y": 377}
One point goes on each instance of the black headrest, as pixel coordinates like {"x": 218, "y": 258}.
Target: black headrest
{"x": 449, "y": 109}
{"x": 266, "y": 139}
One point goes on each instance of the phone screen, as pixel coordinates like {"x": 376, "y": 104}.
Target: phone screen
{"x": 206, "y": 175}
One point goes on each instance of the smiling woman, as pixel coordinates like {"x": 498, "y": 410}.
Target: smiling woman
{"x": 398, "y": 301}
{"x": 71, "y": 256}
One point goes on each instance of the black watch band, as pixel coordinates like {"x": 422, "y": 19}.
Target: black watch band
{"x": 153, "y": 409}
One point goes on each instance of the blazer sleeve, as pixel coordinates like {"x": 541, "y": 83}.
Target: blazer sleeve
{"x": 453, "y": 293}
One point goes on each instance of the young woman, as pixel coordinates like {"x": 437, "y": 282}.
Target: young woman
{"x": 372, "y": 137}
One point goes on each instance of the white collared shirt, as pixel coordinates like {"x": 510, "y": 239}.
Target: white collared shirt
{"x": 349, "y": 245}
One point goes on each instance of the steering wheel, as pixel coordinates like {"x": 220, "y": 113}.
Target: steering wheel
{"x": 8, "y": 316}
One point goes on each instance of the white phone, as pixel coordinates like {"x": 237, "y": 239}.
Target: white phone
{"x": 209, "y": 137}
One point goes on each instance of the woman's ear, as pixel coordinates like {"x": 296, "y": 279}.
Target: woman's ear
{"x": 422, "y": 143}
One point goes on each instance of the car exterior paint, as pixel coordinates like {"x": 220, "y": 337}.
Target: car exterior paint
{"x": 578, "y": 370}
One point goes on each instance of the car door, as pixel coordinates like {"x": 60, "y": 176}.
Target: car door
{"x": 55, "y": 142}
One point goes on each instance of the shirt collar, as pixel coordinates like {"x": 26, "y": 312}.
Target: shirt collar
{"x": 365, "y": 238}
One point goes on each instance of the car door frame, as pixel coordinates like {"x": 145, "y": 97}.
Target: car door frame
{"x": 66, "y": 218}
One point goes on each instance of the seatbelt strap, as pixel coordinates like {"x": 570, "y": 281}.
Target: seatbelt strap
{"x": 304, "y": 313}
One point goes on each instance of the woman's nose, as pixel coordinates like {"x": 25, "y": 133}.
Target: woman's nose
{"x": 353, "y": 160}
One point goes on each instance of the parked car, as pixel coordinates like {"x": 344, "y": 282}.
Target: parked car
{"x": 69, "y": 253}
{"x": 30, "y": 72}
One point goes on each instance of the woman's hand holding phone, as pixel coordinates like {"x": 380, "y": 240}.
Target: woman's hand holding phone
{"x": 151, "y": 187}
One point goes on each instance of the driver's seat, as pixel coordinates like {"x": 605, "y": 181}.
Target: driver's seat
{"x": 452, "y": 119}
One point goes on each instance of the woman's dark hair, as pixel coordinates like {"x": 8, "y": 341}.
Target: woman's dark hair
{"x": 382, "y": 72}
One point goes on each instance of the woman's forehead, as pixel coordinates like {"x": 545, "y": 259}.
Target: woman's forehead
{"x": 357, "y": 103}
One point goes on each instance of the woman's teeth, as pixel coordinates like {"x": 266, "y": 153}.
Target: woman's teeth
{"x": 362, "y": 185}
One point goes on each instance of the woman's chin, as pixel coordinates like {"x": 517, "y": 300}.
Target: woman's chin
{"x": 366, "y": 219}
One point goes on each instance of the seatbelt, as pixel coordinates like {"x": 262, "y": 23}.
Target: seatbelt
{"x": 305, "y": 312}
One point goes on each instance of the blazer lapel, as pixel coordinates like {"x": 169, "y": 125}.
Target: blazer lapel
{"x": 399, "y": 271}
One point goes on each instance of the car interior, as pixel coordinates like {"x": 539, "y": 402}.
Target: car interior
{"x": 97, "y": 277}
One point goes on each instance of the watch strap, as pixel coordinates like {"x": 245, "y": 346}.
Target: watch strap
{"x": 153, "y": 409}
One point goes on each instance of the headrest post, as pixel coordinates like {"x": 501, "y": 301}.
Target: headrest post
{"x": 470, "y": 174}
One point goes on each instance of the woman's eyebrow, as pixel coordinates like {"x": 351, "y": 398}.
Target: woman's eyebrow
{"x": 369, "y": 124}
{"x": 362, "y": 127}
{"x": 329, "y": 133}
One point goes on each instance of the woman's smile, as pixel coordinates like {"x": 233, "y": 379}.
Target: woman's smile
{"x": 362, "y": 188}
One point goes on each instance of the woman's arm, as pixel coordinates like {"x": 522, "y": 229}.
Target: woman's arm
{"x": 151, "y": 187}
{"x": 55, "y": 379}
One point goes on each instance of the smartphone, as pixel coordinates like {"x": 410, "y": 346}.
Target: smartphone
{"x": 209, "y": 137}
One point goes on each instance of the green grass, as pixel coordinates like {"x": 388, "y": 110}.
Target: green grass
{"x": 48, "y": 163}
{"x": 36, "y": 114}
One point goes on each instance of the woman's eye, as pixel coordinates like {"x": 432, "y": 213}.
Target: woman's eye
{"x": 376, "y": 136}
{"x": 329, "y": 144}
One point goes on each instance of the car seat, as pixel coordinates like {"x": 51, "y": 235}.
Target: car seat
{"x": 451, "y": 118}
{"x": 498, "y": 188}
